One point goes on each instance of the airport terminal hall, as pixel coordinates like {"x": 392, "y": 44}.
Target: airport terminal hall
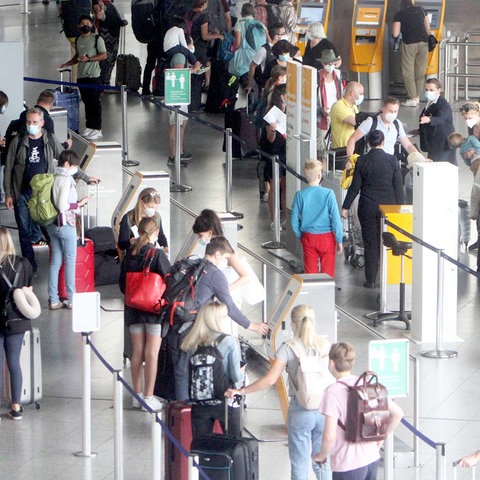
{"x": 238, "y": 239}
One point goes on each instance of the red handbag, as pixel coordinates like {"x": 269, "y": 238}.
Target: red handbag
{"x": 144, "y": 289}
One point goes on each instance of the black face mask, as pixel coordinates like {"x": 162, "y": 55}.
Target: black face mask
{"x": 85, "y": 29}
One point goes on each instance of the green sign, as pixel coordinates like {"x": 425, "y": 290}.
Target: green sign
{"x": 389, "y": 359}
{"x": 177, "y": 86}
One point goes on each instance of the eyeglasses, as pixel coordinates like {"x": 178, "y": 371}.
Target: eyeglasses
{"x": 467, "y": 107}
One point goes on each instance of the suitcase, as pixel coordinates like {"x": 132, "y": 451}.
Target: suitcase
{"x": 178, "y": 416}
{"x": 226, "y": 457}
{"x": 455, "y": 473}
{"x": 463, "y": 223}
{"x": 107, "y": 266}
{"x": 242, "y": 126}
{"x": 158, "y": 81}
{"x": 69, "y": 98}
{"x": 165, "y": 381}
{"x": 129, "y": 70}
{"x": 31, "y": 365}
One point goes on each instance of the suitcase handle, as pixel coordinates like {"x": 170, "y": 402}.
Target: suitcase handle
{"x": 62, "y": 71}
{"x": 241, "y": 407}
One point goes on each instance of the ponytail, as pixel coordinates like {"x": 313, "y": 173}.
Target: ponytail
{"x": 146, "y": 228}
{"x": 303, "y": 326}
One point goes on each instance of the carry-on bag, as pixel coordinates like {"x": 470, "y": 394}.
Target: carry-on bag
{"x": 107, "y": 265}
{"x": 226, "y": 457}
{"x": 69, "y": 98}
{"x": 129, "y": 70}
{"x": 31, "y": 366}
{"x": 242, "y": 126}
{"x": 463, "y": 223}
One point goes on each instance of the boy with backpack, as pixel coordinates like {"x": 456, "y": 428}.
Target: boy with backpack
{"x": 206, "y": 282}
{"x": 348, "y": 459}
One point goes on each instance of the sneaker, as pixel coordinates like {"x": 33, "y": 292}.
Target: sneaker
{"x": 171, "y": 161}
{"x": 16, "y": 414}
{"x": 95, "y": 135}
{"x": 69, "y": 306}
{"x": 283, "y": 224}
{"x": 411, "y": 102}
{"x": 55, "y": 306}
{"x": 135, "y": 402}
{"x": 85, "y": 133}
{"x": 155, "y": 403}
{"x": 272, "y": 226}
{"x": 40, "y": 243}
{"x": 265, "y": 198}
{"x": 186, "y": 156}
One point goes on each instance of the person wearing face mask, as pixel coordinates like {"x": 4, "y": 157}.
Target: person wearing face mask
{"x": 281, "y": 53}
{"x": 436, "y": 124}
{"x": 63, "y": 231}
{"x": 343, "y": 112}
{"x": 90, "y": 50}
{"x": 147, "y": 203}
{"x": 386, "y": 121}
{"x": 316, "y": 44}
{"x": 330, "y": 90}
{"x": 378, "y": 178}
{"x": 145, "y": 328}
{"x": 29, "y": 154}
{"x": 211, "y": 284}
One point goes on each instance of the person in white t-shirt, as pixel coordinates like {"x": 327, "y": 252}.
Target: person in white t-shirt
{"x": 174, "y": 42}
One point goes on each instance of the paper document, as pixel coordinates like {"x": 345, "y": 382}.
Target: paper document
{"x": 275, "y": 115}
{"x": 134, "y": 230}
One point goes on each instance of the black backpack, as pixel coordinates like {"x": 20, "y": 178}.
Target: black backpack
{"x": 179, "y": 295}
{"x": 146, "y": 20}
{"x": 16, "y": 128}
{"x": 207, "y": 378}
{"x": 361, "y": 145}
{"x": 70, "y": 12}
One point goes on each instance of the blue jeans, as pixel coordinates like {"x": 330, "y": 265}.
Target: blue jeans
{"x": 12, "y": 344}
{"x": 305, "y": 430}
{"x": 368, "y": 472}
{"x": 64, "y": 248}
{"x": 26, "y": 228}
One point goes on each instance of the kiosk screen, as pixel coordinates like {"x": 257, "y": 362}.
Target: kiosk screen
{"x": 311, "y": 13}
{"x": 368, "y": 16}
{"x": 433, "y": 18}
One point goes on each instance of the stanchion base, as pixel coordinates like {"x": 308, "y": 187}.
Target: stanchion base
{"x": 130, "y": 163}
{"x": 180, "y": 188}
{"x": 84, "y": 455}
{"x": 237, "y": 215}
{"x": 379, "y": 317}
{"x": 440, "y": 354}
{"x": 25, "y": 13}
{"x": 273, "y": 245}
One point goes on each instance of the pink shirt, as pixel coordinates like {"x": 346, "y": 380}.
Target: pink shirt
{"x": 345, "y": 455}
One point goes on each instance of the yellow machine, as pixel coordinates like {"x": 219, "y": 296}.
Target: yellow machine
{"x": 310, "y": 12}
{"x": 435, "y": 10}
{"x": 366, "y": 52}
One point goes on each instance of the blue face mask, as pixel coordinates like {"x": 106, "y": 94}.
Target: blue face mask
{"x": 33, "y": 129}
{"x": 203, "y": 241}
{"x": 284, "y": 58}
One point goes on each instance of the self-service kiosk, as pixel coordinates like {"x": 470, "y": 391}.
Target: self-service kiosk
{"x": 316, "y": 290}
{"x": 366, "y": 52}
{"x": 160, "y": 181}
{"x": 310, "y": 12}
{"x": 435, "y": 10}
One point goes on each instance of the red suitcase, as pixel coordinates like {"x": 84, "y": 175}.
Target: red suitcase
{"x": 178, "y": 416}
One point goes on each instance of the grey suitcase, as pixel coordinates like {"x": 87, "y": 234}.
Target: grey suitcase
{"x": 31, "y": 365}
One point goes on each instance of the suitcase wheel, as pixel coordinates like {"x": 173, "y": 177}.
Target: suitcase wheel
{"x": 37, "y": 405}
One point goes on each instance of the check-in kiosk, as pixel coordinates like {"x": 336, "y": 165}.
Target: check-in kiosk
{"x": 310, "y": 12}
{"x": 366, "y": 52}
{"x": 435, "y": 10}
{"x": 160, "y": 181}
{"x": 316, "y": 290}
{"x": 192, "y": 246}
{"x": 59, "y": 117}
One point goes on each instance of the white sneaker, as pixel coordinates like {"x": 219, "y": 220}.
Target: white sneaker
{"x": 135, "y": 402}
{"x": 86, "y": 132}
{"x": 155, "y": 403}
{"x": 95, "y": 135}
{"x": 272, "y": 226}
{"x": 411, "y": 102}
{"x": 265, "y": 198}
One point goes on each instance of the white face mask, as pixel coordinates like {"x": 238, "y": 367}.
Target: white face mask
{"x": 359, "y": 100}
{"x": 73, "y": 170}
{"x": 203, "y": 241}
{"x": 149, "y": 211}
{"x": 471, "y": 122}
{"x": 3, "y": 109}
{"x": 390, "y": 117}
{"x": 329, "y": 68}
{"x": 430, "y": 96}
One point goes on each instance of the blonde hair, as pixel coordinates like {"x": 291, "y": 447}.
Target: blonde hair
{"x": 146, "y": 228}
{"x": 303, "y": 327}
{"x": 343, "y": 356}
{"x": 311, "y": 169}
{"x": 208, "y": 324}
{"x": 146, "y": 195}
{"x": 456, "y": 140}
{"x": 7, "y": 249}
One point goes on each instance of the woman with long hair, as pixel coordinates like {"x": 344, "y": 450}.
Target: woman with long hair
{"x": 213, "y": 321}
{"x": 147, "y": 204}
{"x": 145, "y": 328}
{"x": 10, "y": 264}
{"x": 305, "y": 427}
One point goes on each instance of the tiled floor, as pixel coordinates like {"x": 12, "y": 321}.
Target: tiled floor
{"x": 42, "y": 444}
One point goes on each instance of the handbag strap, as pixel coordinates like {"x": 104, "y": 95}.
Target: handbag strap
{"x": 11, "y": 285}
{"x": 148, "y": 260}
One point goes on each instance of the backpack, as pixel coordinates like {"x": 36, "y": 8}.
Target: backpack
{"x": 368, "y": 415}
{"x": 207, "y": 378}
{"x": 179, "y": 295}
{"x": 281, "y": 12}
{"x": 261, "y": 13}
{"x": 257, "y": 111}
{"x": 361, "y": 144}
{"x": 258, "y": 75}
{"x": 146, "y": 24}
{"x": 255, "y": 35}
{"x": 224, "y": 52}
{"x": 216, "y": 16}
{"x": 175, "y": 8}
{"x": 41, "y": 207}
{"x": 70, "y": 12}
{"x": 312, "y": 377}
{"x": 16, "y": 128}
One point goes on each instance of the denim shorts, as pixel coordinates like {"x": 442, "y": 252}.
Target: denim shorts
{"x": 148, "y": 328}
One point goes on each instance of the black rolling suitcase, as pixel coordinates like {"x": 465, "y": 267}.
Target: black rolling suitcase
{"x": 69, "y": 98}
{"x": 243, "y": 127}
{"x": 129, "y": 70}
{"x": 226, "y": 457}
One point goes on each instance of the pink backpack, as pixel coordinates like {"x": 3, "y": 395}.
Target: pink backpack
{"x": 261, "y": 11}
